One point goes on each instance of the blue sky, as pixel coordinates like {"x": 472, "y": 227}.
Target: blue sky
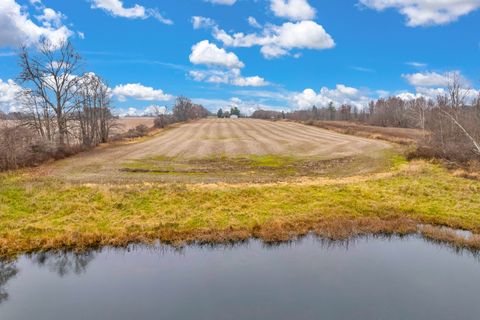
{"x": 290, "y": 53}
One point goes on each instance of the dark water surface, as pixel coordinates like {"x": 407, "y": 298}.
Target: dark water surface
{"x": 309, "y": 279}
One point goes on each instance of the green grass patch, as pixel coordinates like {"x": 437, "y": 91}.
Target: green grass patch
{"x": 270, "y": 161}
{"x": 262, "y": 168}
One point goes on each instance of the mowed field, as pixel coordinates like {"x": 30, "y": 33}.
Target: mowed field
{"x": 219, "y": 148}
{"x": 210, "y": 137}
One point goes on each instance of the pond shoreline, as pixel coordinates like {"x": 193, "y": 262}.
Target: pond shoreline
{"x": 275, "y": 234}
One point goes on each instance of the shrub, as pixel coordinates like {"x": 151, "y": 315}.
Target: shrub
{"x": 163, "y": 121}
{"x": 21, "y": 147}
{"x": 137, "y": 132}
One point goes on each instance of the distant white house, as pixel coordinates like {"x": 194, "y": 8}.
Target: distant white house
{"x": 233, "y": 116}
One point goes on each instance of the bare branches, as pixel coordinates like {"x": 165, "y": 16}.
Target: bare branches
{"x": 62, "y": 111}
{"x": 475, "y": 143}
{"x": 185, "y": 110}
{"x": 93, "y": 110}
{"x": 457, "y": 90}
{"x": 51, "y": 75}
{"x": 455, "y": 108}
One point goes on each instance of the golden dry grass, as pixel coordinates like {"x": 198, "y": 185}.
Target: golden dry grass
{"x": 39, "y": 213}
{"x": 403, "y": 136}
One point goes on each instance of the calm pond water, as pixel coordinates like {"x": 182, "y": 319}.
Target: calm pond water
{"x": 371, "y": 278}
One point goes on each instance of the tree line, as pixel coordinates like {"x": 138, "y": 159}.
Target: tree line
{"x": 234, "y": 111}
{"x": 450, "y": 123}
{"x": 183, "y": 110}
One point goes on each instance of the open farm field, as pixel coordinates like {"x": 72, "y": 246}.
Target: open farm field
{"x": 221, "y": 180}
{"x": 214, "y": 150}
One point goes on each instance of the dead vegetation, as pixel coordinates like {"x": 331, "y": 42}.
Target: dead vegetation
{"x": 450, "y": 236}
{"x": 272, "y": 232}
{"x": 404, "y": 136}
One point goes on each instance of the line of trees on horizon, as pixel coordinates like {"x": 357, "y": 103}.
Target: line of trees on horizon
{"x": 183, "y": 110}
{"x": 450, "y": 123}
{"x": 234, "y": 111}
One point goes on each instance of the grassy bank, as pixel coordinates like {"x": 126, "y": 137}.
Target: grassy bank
{"x": 44, "y": 213}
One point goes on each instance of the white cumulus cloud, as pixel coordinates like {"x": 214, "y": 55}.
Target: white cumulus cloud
{"x": 427, "y": 79}
{"x": 426, "y": 12}
{"x": 254, "y": 81}
{"x": 416, "y": 64}
{"x": 232, "y": 77}
{"x": 8, "y": 95}
{"x": 17, "y": 28}
{"x": 51, "y": 17}
{"x": 207, "y": 53}
{"x": 430, "y": 85}
{"x": 276, "y": 41}
{"x": 341, "y": 94}
{"x": 116, "y": 8}
{"x": 138, "y": 91}
{"x": 293, "y": 9}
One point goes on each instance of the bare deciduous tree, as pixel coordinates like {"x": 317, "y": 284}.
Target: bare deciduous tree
{"x": 93, "y": 110}
{"x": 184, "y": 109}
{"x": 50, "y": 76}
{"x": 418, "y": 110}
{"x": 457, "y": 111}
{"x": 37, "y": 114}
{"x": 61, "y": 112}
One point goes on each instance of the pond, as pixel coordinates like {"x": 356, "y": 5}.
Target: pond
{"x": 367, "y": 278}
